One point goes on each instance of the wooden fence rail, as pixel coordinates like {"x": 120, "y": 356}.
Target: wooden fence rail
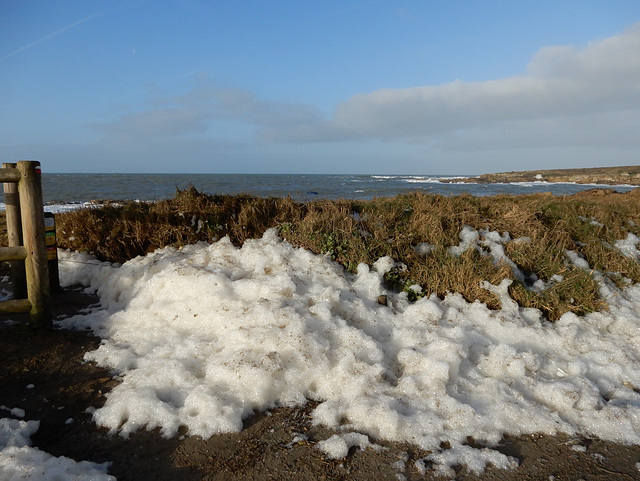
{"x": 27, "y": 249}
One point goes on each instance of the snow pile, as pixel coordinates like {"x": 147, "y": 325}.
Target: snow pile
{"x": 19, "y": 461}
{"x": 492, "y": 243}
{"x": 204, "y": 336}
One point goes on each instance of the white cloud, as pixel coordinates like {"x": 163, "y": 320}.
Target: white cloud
{"x": 562, "y": 86}
{"x": 156, "y": 123}
{"x": 206, "y": 104}
{"x": 571, "y": 107}
{"x": 607, "y": 131}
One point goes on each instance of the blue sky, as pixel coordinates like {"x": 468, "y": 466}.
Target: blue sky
{"x": 348, "y": 86}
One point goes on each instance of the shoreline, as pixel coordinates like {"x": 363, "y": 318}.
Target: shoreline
{"x": 611, "y": 176}
{"x": 152, "y": 187}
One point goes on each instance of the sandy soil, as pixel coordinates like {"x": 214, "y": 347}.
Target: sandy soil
{"x": 64, "y": 386}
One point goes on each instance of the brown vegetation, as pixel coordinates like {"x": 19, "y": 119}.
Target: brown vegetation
{"x": 352, "y": 232}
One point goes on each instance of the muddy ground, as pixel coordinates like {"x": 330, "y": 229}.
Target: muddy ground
{"x": 65, "y": 386}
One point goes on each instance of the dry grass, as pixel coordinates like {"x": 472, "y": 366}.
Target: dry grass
{"x": 352, "y": 232}
{"x": 118, "y": 233}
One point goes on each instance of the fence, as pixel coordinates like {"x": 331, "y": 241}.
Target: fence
{"x": 27, "y": 249}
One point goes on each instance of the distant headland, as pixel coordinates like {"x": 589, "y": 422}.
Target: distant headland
{"x": 629, "y": 175}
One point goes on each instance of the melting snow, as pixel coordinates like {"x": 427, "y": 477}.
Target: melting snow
{"x": 205, "y": 336}
{"x": 19, "y": 461}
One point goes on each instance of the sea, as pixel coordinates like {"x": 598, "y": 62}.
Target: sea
{"x": 69, "y": 191}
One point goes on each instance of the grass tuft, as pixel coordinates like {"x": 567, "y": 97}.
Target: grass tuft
{"x": 542, "y": 228}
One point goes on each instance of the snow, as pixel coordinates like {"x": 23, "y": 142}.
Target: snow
{"x": 468, "y": 238}
{"x": 19, "y": 461}
{"x": 204, "y": 336}
{"x": 629, "y": 245}
{"x": 16, "y": 412}
{"x": 338, "y": 445}
{"x": 491, "y": 243}
{"x": 423, "y": 249}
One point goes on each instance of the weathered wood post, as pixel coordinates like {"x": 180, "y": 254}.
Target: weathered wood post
{"x": 14, "y": 233}
{"x": 37, "y": 274}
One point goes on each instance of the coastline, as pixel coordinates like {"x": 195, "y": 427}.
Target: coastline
{"x": 625, "y": 175}
{"x": 60, "y": 189}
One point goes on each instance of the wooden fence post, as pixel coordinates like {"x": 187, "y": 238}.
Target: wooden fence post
{"x": 14, "y": 233}
{"x": 37, "y": 274}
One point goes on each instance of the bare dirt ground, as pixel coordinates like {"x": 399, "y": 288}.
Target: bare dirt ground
{"x": 65, "y": 386}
